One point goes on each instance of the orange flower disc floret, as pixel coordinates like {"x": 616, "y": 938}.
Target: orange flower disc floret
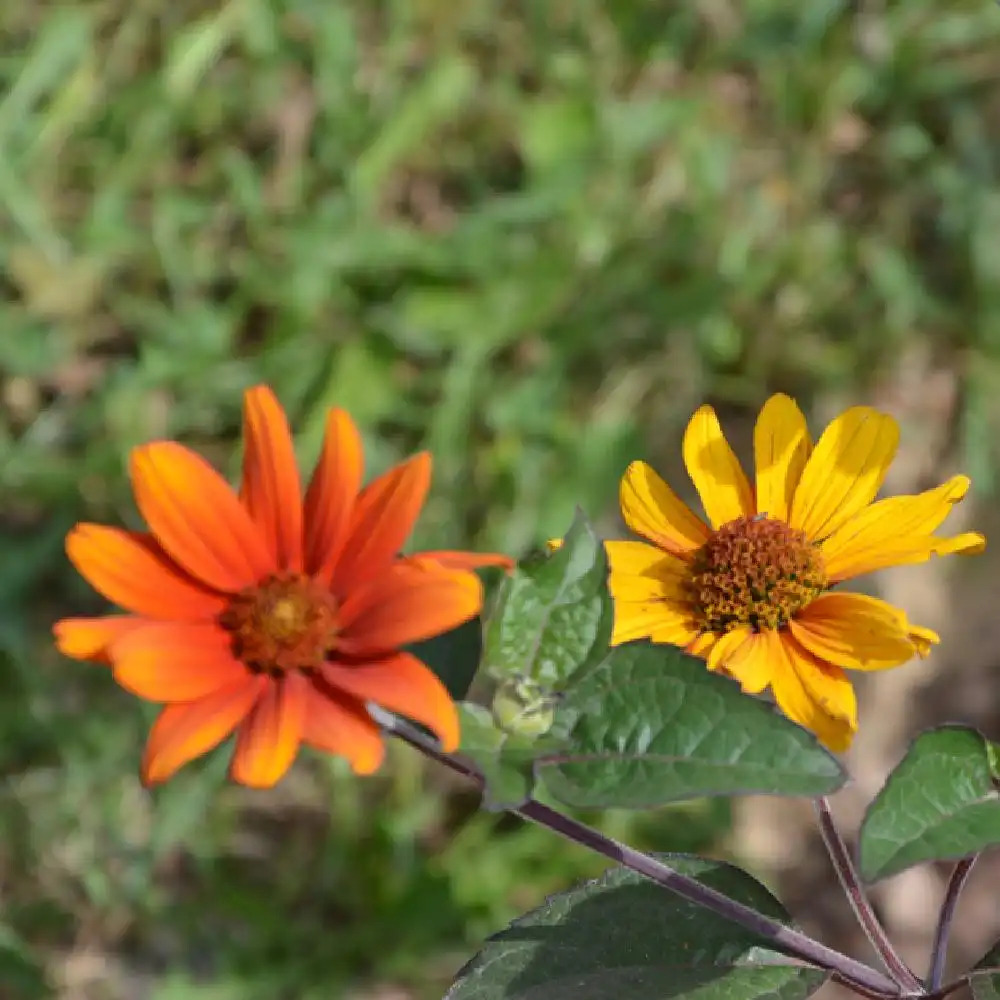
{"x": 284, "y": 624}
{"x": 754, "y": 572}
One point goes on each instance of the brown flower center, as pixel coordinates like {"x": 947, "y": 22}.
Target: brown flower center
{"x": 756, "y": 572}
{"x": 285, "y": 623}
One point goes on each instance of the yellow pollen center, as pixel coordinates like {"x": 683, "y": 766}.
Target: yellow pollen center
{"x": 284, "y": 623}
{"x": 754, "y": 572}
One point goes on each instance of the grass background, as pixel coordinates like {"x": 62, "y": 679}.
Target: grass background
{"x": 530, "y": 236}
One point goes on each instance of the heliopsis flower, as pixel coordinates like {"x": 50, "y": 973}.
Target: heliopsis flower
{"x": 752, "y": 591}
{"x": 271, "y": 614}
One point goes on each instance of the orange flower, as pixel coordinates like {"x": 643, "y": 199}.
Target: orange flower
{"x": 268, "y": 614}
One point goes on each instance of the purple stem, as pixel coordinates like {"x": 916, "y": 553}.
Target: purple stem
{"x": 939, "y": 952}
{"x": 870, "y": 982}
{"x": 850, "y": 881}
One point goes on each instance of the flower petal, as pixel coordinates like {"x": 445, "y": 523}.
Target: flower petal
{"x": 407, "y": 603}
{"x": 271, "y": 488}
{"x": 641, "y": 572}
{"x": 715, "y": 470}
{"x": 402, "y": 684}
{"x": 197, "y": 518}
{"x": 827, "y": 684}
{"x": 131, "y": 570}
{"x": 162, "y": 661}
{"x": 781, "y": 446}
{"x": 898, "y": 531}
{"x": 187, "y": 730}
{"x": 659, "y": 621}
{"x": 332, "y": 493}
{"x": 844, "y": 472}
{"x": 341, "y": 726}
{"x": 796, "y": 700}
{"x": 743, "y": 655}
{"x": 383, "y": 518}
{"x": 89, "y": 638}
{"x": 466, "y": 560}
{"x": 652, "y": 509}
{"x": 269, "y": 738}
{"x": 854, "y": 631}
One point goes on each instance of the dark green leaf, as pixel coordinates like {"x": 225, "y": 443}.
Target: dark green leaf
{"x": 624, "y": 937}
{"x": 650, "y": 724}
{"x": 454, "y": 656}
{"x": 553, "y": 614}
{"x": 941, "y": 801}
{"x": 984, "y": 980}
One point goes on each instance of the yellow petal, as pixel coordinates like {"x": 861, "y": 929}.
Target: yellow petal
{"x": 898, "y": 531}
{"x": 797, "y": 701}
{"x": 701, "y": 645}
{"x": 827, "y": 684}
{"x": 854, "y": 631}
{"x": 659, "y": 621}
{"x": 641, "y": 572}
{"x": 922, "y": 639}
{"x": 652, "y": 509}
{"x": 743, "y": 655}
{"x": 844, "y": 472}
{"x": 715, "y": 470}
{"x": 781, "y": 446}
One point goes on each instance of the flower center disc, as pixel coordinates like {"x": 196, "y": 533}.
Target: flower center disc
{"x": 285, "y": 623}
{"x": 755, "y": 572}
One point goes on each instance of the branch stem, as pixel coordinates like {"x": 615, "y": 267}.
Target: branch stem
{"x": 939, "y": 953}
{"x": 847, "y": 873}
{"x": 870, "y": 982}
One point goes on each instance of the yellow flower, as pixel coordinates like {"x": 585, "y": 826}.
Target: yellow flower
{"x": 751, "y": 591}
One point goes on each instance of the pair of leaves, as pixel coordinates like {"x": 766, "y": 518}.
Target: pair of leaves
{"x": 631, "y": 726}
{"x": 941, "y": 801}
{"x": 622, "y": 936}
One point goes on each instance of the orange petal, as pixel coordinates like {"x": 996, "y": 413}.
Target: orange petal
{"x": 407, "y": 603}
{"x": 854, "y": 631}
{"x": 89, "y": 638}
{"x": 844, "y": 472}
{"x": 383, "y": 518}
{"x": 781, "y": 445}
{"x": 269, "y": 738}
{"x": 197, "y": 518}
{"x": 465, "y": 560}
{"x": 187, "y": 730}
{"x": 340, "y": 726}
{"x": 715, "y": 470}
{"x": 271, "y": 489}
{"x": 167, "y": 662}
{"x": 131, "y": 570}
{"x": 652, "y": 509}
{"x": 332, "y": 493}
{"x": 402, "y": 684}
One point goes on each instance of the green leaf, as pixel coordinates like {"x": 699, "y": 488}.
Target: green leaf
{"x": 984, "y": 979}
{"x": 553, "y": 614}
{"x": 941, "y": 801}
{"x": 454, "y": 656}
{"x": 625, "y": 937}
{"x": 650, "y": 725}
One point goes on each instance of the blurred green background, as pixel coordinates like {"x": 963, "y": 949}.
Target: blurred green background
{"x": 530, "y": 236}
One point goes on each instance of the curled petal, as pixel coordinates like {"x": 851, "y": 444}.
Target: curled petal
{"x": 90, "y": 638}
{"x": 465, "y": 560}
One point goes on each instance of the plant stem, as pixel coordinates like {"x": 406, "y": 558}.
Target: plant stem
{"x": 851, "y": 882}
{"x": 939, "y": 952}
{"x": 870, "y": 982}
